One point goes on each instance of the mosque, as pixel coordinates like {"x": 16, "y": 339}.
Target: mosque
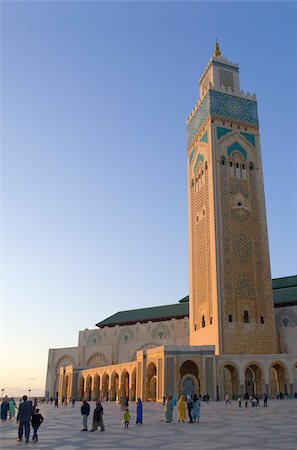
{"x": 236, "y": 332}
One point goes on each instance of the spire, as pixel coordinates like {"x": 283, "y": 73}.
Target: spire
{"x": 217, "y": 51}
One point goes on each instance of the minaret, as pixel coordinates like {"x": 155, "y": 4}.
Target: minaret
{"x": 231, "y": 303}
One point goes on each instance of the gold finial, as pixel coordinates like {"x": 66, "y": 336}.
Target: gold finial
{"x": 217, "y": 51}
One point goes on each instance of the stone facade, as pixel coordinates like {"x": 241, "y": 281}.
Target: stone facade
{"x": 232, "y": 337}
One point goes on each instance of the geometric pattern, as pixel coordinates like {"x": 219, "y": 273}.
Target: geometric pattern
{"x": 236, "y": 147}
{"x": 204, "y": 137}
{"x": 221, "y": 131}
{"x": 223, "y": 105}
{"x": 249, "y": 137}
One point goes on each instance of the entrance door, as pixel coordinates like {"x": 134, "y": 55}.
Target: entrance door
{"x": 188, "y": 387}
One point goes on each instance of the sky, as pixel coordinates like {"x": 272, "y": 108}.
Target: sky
{"x": 94, "y": 101}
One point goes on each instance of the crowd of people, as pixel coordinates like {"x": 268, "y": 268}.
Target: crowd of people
{"x": 186, "y": 404}
{"x": 27, "y": 414}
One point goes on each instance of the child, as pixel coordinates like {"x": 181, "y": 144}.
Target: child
{"x": 127, "y": 418}
{"x": 37, "y": 420}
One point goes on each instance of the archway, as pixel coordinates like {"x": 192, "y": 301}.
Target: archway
{"x": 133, "y": 385}
{"x": 254, "y": 382}
{"x": 81, "y": 388}
{"x": 231, "y": 383}
{"x": 125, "y": 384}
{"x": 96, "y": 388}
{"x": 278, "y": 378}
{"x": 105, "y": 386}
{"x": 88, "y": 388}
{"x": 114, "y": 386}
{"x": 151, "y": 382}
{"x": 189, "y": 382}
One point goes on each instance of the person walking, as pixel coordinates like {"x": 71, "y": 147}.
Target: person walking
{"x": 98, "y": 417}
{"x": 85, "y": 411}
{"x": 127, "y": 418}
{"x": 12, "y": 405}
{"x": 174, "y": 401}
{"x": 196, "y": 409}
{"x": 36, "y": 421}
{"x": 265, "y": 398}
{"x": 239, "y": 401}
{"x": 139, "y": 412}
{"x": 181, "y": 408}
{"x": 73, "y": 402}
{"x": 227, "y": 399}
{"x": 4, "y": 409}
{"x": 56, "y": 402}
{"x": 168, "y": 409}
{"x": 190, "y": 407}
{"x": 24, "y": 417}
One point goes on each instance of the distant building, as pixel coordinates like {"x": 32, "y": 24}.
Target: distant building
{"x": 237, "y": 331}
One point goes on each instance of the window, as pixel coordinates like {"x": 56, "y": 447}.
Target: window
{"x": 223, "y": 161}
{"x": 231, "y": 164}
{"x": 243, "y": 167}
{"x": 246, "y": 317}
{"x": 262, "y": 319}
{"x": 210, "y": 321}
{"x": 251, "y": 166}
{"x": 203, "y": 322}
{"x": 195, "y": 326}
{"x": 238, "y": 203}
{"x": 230, "y": 318}
{"x": 206, "y": 166}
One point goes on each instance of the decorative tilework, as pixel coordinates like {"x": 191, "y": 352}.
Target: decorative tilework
{"x": 199, "y": 158}
{"x": 236, "y": 147}
{"x": 225, "y": 105}
{"x": 191, "y": 156}
{"x": 204, "y": 137}
{"x": 221, "y": 131}
{"x": 249, "y": 137}
{"x": 233, "y": 107}
{"x": 198, "y": 118}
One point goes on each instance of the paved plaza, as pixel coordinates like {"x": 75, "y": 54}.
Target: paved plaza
{"x": 220, "y": 427}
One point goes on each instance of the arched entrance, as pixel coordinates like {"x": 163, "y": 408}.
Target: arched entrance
{"x": 114, "y": 386}
{"x": 151, "y": 382}
{"x": 254, "y": 382}
{"x": 125, "y": 384}
{"x": 88, "y": 388}
{"x": 105, "y": 386}
{"x": 133, "y": 386}
{"x": 189, "y": 382}
{"x": 81, "y": 388}
{"x": 278, "y": 378}
{"x": 96, "y": 388}
{"x": 230, "y": 377}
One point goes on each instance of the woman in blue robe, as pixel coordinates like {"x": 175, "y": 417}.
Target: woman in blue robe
{"x": 139, "y": 411}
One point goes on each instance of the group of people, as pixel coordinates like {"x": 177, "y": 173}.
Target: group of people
{"x": 8, "y": 407}
{"x": 28, "y": 413}
{"x": 254, "y": 400}
{"x": 186, "y": 403}
{"x": 98, "y": 414}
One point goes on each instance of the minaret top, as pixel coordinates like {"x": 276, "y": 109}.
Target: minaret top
{"x": 217, "y": 51}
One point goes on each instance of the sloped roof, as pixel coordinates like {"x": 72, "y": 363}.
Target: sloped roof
{"x": 285, "y": 291}
{"x": 155, "y": 313}
{"x": 284, "y": 294}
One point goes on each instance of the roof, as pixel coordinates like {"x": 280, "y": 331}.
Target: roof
{"x": 154, "y": 314}
{"x": 285, "y": 291}
{"x": 284, "y": 294}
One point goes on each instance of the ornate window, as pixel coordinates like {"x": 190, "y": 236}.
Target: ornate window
{"x": 262, "y": 319}
{"x": 203, "y": 322}
{"x": 230, "y": 318}
{"x": 246, "y": 317}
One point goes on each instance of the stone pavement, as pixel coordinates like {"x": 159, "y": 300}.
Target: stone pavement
{"x": 220, "y": 427}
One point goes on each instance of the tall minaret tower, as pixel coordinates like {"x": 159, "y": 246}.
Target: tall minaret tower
{"x": 231, "y": 303}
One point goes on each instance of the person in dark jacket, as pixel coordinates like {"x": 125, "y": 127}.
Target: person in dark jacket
{"x": 4, "y": 409}
{"x": 37, "y": 420}
{"x": 85, "y": 411}
{"x": 98, "y": 417}
{"x": 24, "y": 417}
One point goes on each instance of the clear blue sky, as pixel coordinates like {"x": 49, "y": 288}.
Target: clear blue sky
{"x": 95, "y": 98}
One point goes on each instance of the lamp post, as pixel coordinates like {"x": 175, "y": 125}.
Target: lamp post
{"x": 29, "y": 393}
